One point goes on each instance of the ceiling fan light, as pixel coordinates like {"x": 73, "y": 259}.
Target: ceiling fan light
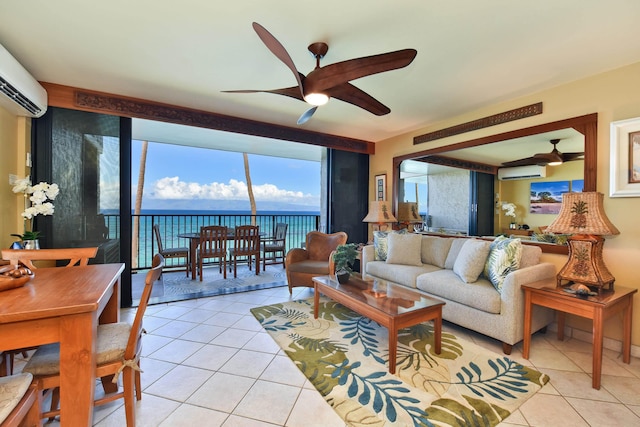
{"x": 555, "y": 163}
{"x": 316, "y": 99}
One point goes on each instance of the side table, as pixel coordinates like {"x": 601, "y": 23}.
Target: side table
{"x": 598, "y": 308}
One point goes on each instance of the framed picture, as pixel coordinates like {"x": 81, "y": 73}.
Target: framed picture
{"x": 577, "y": 185}
{"x": 381, "y": 187}
{"x": 624, "y": 179}
{"x": 546, "y": 197}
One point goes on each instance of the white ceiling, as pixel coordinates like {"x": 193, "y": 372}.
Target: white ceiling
{"x": 470, "y": 53}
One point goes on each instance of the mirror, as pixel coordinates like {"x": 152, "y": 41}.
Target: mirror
{"x": 488, "y": 153}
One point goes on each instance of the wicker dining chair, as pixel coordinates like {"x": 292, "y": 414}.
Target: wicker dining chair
{"x": 118, "y": 351}
{"x": 19, "y": 401}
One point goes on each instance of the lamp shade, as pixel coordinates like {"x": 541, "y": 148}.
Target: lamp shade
{"x": 379, "y": 213}
{"x": 408, "y": 212}
{"x": 582, "y": 213}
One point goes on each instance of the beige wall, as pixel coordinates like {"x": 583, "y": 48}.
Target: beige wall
{"x": 15, "y": 134}
{"x": 614, "y": 95}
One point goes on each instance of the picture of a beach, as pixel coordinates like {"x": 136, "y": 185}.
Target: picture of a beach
{"x": 546, "y": 197}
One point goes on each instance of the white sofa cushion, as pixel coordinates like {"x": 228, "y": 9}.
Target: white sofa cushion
{"x": 381, "y": 245}
{"x": 454, "y": 250}
{"x": 471, "y": 259}
{"x": 404, "y": 249}
{"x": 530, "y": 256}
{"x": 447, "y": 285}
{"x": 402, "y": 274}
{"x": 435, "y": 249}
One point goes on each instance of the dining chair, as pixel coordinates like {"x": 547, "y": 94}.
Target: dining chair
{"x": 213, "y": 244}
{"x": 117, "y": 351}
{"x": 246, "y": 243}
{"x": 274, "y": 247}
{"x": 171, "y": 253}
{"x": 19, "y": 401}
{"x": 68, "y": 256}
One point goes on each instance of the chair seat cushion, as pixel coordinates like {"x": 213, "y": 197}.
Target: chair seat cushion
{"x": 309, "y": 267}
{"x": 112, "y": 342}
{"x": 12, "y": 389}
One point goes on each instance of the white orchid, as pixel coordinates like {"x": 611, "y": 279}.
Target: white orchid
{"x": 40, "y": 195}
{"x": 509, "y": 208}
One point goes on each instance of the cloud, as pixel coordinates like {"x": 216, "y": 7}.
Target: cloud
{"x": 173, "y": 188}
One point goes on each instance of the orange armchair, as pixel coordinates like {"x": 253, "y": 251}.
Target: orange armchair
{"x": 304, "y": 264}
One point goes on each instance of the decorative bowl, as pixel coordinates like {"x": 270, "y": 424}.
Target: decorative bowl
{"x": 11, "y": 278}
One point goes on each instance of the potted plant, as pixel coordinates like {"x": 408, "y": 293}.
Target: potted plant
{"x": 343, "y": 258}
{"x": 38, "y": 200}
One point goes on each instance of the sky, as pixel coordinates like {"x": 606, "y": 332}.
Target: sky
{"x": 177, "y": 175}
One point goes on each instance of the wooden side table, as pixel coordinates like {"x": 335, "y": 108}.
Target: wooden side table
{"x": 598, "y": 308}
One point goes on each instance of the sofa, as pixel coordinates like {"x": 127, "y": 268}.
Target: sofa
{"x": 478, "y": 279}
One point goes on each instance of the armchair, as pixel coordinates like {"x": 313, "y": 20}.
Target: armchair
{"x": 304, "y": 264}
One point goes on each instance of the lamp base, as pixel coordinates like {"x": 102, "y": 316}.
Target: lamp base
{"x": 585, "y": 265}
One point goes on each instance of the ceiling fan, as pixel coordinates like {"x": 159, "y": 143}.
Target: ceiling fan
{"x": 552, "y": 158}
{"x": 332, "y": 81}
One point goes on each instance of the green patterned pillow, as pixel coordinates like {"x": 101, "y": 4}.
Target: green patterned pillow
{"x": 504, "y": 257}
{"x": 380, "y": 244}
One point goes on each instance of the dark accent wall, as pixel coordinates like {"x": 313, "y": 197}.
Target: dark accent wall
{"x": 348, "y": 188}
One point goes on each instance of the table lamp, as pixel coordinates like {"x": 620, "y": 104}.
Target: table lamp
{"x": 380, "y": 214}
{"x": 582, "y": 215}
{"x": 408, "y": 214}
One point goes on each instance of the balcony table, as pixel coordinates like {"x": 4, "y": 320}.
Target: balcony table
{"x": 64, "y": 305}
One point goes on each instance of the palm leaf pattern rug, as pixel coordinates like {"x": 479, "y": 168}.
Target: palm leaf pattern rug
{"x": 345, "y": 356}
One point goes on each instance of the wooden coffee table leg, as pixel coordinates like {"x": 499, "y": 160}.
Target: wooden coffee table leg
{"x": 393, "y": 347}
{"x": 437, "y": 328}
{"x": 316, "y": 300}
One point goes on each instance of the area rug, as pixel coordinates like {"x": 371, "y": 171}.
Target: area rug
{"x": 175, "y": 286}
{"x": 345, "y": 356}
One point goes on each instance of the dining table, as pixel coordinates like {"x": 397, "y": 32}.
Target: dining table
{"x": 65, "y": 305}
{"x": 194, "y": 241}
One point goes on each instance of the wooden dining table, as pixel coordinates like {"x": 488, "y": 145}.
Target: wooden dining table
{"x": 64, "y": 305}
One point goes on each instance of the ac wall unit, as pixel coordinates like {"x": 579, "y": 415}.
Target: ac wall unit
{"x": 20, "y": 93}
{"x": 522, "y": 172}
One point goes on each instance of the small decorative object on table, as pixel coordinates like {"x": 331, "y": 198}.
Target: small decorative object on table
{"x": 14, "y": 277}
{"x": 582, "y": 291}
{"x": 344, "y": 256}
{"x": 40, "y": 197}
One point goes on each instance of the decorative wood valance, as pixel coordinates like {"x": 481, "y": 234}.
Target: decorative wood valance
{"x": 496, "y": 119}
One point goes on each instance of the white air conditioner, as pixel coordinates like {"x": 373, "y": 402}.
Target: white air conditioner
{"x": 20, "y": 93}
{"x": 522, "y": 172}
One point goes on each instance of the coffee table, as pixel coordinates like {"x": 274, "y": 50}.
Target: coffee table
{"x": 392, "y": 306}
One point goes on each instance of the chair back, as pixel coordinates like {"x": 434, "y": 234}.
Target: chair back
{"x": 134, "y": 343}
{"x": 246, "y": 240}
{"x": 213, "y": 241}
{"x": 156, "y": 233}
{"x": 280, "y": 234}
{"x": 320, "y": 245}
{"x": 75, "y": 256}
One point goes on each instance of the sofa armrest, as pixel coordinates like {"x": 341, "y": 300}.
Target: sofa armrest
{"x": 296, "y": 255}
{"x": 367, "y": 255}
{"x": 511, "y": 286}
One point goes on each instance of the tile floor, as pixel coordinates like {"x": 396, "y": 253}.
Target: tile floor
{"x": 208, "y": 362}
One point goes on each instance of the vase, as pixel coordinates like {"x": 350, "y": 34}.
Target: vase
{"x": 31, "y": 244}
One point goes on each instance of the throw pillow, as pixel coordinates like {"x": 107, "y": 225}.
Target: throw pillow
{"x": 435, "y": 250}
{"x": 504, "y": 257}
{"x": 471, "y": 259}
{"x": 456, "y": 245}
{"x": 380, "y": 244}
{"x": 404, "y": 249}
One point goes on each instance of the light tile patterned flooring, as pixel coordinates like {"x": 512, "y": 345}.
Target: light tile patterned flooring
{"x": 208, "y": 362}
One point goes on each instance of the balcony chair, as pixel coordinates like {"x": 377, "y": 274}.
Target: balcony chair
{"x": 171, "y": 253}
{"x": 246, "y": 243}
{"x": 213, "y": 244}
{"x": 73, "y": 256}
{"x": 304, "y": 264}
{"x": 274, "y": 247}
{"x": 118, "y": 350}
{"x": 19, "y": 401}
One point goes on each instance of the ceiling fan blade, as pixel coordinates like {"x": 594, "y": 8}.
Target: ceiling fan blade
{"x": 567, "y": 157}
{"x": 347, "y": 92}
{"x": 342, "y": 72}
{"x": 279, "y": 51}
{"x": 307, "y": 115}
{"x": 293, "y": 92}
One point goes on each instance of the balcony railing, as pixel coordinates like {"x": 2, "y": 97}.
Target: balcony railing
{"x": 172, "y": 225}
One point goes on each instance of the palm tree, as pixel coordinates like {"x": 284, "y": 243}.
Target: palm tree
{"x": 252, "y": 200}
{"x": 138, "y": 205}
